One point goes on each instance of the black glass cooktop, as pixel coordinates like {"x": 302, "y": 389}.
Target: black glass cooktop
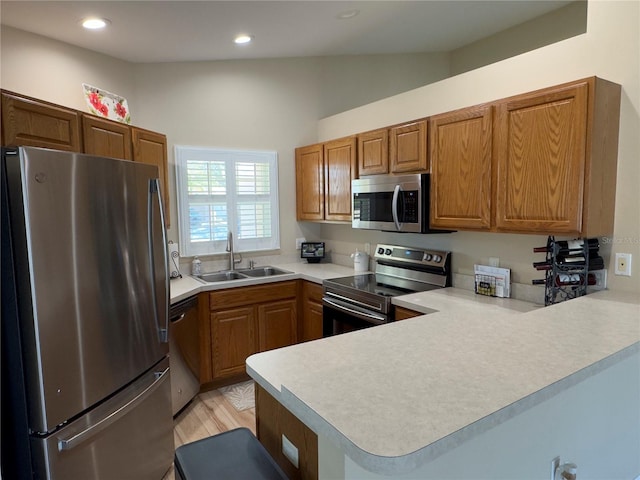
{"x": 384, "y": 285}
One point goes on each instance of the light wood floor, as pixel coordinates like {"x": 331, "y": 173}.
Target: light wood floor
{"x": 208, "y": 414}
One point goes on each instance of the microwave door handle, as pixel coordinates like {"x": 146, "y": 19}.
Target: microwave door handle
{"x": 394, "y": 207}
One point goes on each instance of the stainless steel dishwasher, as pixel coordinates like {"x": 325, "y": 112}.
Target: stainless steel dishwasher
{"x": 184, "y": 354}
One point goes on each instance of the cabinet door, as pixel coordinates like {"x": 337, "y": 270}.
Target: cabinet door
{"x": 373, "y": 152}
{"x": 311, "y": 304}
{"x": 28, "y": 122}
{"x": 408, "y": 151}
{"x": 460, "y": 146}
{"x": 233, "y": 340}
{"x": 151, "y": 147}
{"x": 106, "y": 138}
{"x": 340, "y": 169}
{"x": 540, "y": 152}
{"x": 310, "y": 183}
{"x": 404, "y": 313}
{"x": 277, "y": 324}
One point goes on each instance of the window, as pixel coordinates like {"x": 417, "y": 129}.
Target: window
{"x": 226, "y": 190}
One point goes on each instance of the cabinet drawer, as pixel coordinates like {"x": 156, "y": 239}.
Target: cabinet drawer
{"x": 223, "y": 299}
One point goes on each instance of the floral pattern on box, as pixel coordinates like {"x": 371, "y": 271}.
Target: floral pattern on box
{"x": 106, "y": 104}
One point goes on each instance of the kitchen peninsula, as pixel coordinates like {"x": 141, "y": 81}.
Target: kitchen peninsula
{"x": 477, "y": 389}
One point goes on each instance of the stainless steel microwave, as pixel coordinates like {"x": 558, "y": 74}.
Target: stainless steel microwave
{"x": 395, "y": 203}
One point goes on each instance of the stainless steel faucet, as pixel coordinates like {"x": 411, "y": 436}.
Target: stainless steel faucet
{"x": 232, "y": 260}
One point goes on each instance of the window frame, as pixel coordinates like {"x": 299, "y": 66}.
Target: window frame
{"x": 189, "y": 248}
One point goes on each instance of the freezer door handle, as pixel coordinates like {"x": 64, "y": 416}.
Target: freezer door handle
{"x": 160, "y": 313}
{"x": 77, "y": 439}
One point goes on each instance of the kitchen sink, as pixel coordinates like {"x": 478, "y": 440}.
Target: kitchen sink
{"x": 221, "y": 276}
{"x": 245, "y": 274}
{"x": 263, "y": 272}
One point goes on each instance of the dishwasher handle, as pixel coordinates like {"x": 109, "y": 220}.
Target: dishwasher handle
{"x": 177, "y": 311}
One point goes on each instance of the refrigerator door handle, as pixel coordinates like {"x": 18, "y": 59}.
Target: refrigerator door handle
{"x": 154, "y": 189}
{"x": 75, "y": 440}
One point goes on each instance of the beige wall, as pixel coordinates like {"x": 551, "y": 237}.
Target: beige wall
{"x": 560, "y": 24}
{"x": 43, "y": 68}
{"x": 610, "y": 49}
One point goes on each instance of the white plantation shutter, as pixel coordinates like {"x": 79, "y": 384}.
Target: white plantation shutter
{"x": 226, "y": 190}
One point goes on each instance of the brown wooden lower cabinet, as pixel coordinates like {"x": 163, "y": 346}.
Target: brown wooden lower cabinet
{"x": 311, "y": 306}
{"x": 245, "y": 320}
{"x": 404, "y": 313}
{"x": 272, "y": 422}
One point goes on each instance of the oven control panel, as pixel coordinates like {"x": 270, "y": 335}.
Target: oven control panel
{"x": 417, "y": 256}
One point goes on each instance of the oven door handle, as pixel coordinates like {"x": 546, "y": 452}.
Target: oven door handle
{"x": 394, "y": 207}
{"x": 378, "y": 320}
{"x": 351, "y": 300}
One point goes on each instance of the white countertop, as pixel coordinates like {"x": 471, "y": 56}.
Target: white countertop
{"x": 435, "y": 381}
{"x": 181, "y": 288}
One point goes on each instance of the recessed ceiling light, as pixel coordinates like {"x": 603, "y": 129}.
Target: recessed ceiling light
{"x": 243, "y": 39}
{"x": 95, "y": 23}
{"x": 347, "y": 14}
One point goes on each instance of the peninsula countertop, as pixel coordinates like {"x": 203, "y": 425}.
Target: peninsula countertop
{"x": 435, "y": 381}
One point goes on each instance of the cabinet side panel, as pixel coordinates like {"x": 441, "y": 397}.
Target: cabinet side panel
{"x": 602, "y": 158}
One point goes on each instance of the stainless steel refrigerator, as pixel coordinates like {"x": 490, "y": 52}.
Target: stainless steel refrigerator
{"x": 85, "y": 372}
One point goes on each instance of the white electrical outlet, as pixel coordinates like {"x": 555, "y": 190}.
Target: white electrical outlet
{"x": 299, "y": 242}
{"x": 623, "y": 264}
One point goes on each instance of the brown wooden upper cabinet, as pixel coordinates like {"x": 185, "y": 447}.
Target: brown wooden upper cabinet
{"x": 323, "y": 180}
{"x": 544, "y": 163}
{"x": 30, "y": 122}
{"x": 460, "y": 150}
{"x": 310, "y": 182}
{"x": 106, "y": 138}
{"x": 556, "y": 154}
{"x": 408, "y": 148}
{"x": 151, "y": 147}
{"x": 373, "y": 152}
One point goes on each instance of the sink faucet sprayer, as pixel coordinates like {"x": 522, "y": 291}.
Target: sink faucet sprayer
{"x": 232, "y": 260}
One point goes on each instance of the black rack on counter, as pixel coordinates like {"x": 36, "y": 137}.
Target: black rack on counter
{"x": 567, "y": 266}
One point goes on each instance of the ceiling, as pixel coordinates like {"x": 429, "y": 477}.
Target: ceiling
{"x": 172, "y": 31}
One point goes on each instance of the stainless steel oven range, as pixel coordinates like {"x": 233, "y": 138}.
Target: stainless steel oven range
{"x": 364, "y": 300}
